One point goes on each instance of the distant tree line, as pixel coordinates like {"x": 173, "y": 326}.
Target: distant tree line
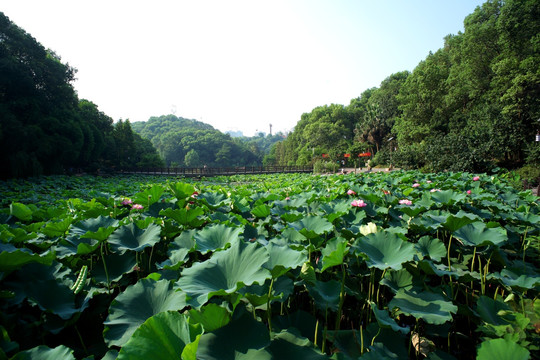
{"x": 191, "y": 143}
{"x": 472, "y": 105}
{"x": 44, "y": 127}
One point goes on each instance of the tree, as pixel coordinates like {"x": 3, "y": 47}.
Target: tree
{"x": 192, "y": 159}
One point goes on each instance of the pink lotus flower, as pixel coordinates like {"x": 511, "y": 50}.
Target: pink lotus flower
{"x": 415, "y": 185}
{"x": 137, "y": 207}
{"x": 386, "y": 192}
{"x": 126, "y": 202}
{"x": 476, "y": 178}
{"x": 468, "y": 192}
{"x": 351, "y": 192}
{"x": 287, "y": 198}
{"x": 358, "y": 203}
{"x": 428, "y": 181}
{"x": 194, "y": 195}
{"x": 434, "y": 190}
{"x": 405, "y": 202}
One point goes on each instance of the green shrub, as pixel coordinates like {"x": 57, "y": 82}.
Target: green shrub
{"x": 529, "y": 174}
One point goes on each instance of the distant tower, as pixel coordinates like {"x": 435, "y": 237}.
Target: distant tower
{"x": 270, "y": 129}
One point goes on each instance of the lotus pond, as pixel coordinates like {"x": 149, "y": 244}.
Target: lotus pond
{"x": 399, "y": 265}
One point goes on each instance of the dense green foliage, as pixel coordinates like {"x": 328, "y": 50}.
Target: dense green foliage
{"x": 399, "y": 265}
{"x": 471, "y": 105}
{"x": 44, "y": 127}
{"x": 191, "y": 143}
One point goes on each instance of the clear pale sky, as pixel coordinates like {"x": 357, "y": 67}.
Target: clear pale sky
{"x": 237, "y": 65}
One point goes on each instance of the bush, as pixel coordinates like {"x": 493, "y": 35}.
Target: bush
{"x": 410, "y": 157}
{"x": 530, "y": 175}
{"x": 322, "y": 166}
{"x": 533, "y": 154}
{"x": 381, "y": 158}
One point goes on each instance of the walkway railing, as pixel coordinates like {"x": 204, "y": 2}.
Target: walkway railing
{"x": 217, "y": 171}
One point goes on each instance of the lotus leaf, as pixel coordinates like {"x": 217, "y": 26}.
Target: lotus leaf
{"x": 312, "y": 226}
{"x": 384, "y": 250}
{"x": 282, "y": 258}
{"x": 20, "y": 211}
{"x": 242, "y": 338}
{"x": 501, "y": 349}
{"x": 431, "y": 307}
{"x": 136, "y": 304}
{"x": 12, "y": 258}
{"x": 211, "y": 317}
{"x": 398, "y": 279}
{"x": 131, "y": 237}
{"x": 287, "y": 345}
{"x": 325, "y": 294}
{"x": 216, "y": 237}
{"x": 94, "y": 228}
{"x": 261, "y": 211}
{"x": 183, "y": 216}
{"x": 477, "y": 234}
{"x": 434, "y": 248}
{"x": 225, "y": 272}
{"x": 384, "y": 319}
{"x": 149, "y": 196}
{"x": 43, "y": 352}
{"x": 163, "y": 336}
{"x": 333, "y": 253}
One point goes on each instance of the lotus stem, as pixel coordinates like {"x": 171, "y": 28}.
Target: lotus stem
{"x": 341, "y": 298}
{"x": 81, "y": 339}
{"x": 105, "y": 268}
{"x": 361, "y": 339}
{"x": 325, "y": 329}
{"x": 268, "y": 307}
{"x": 316, "y": 332}
{"x": 472, "y": 269}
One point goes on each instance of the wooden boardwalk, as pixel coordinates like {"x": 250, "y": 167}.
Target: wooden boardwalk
{"x": 218, "y": 171}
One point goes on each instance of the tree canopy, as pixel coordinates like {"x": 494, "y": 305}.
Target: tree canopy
{"x": 471, "y": 105}
{"x": 45, "y": 128}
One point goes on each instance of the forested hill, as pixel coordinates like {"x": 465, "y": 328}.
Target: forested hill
{"x": 191, "y": 143}
{"x": 44, "y": 127}
{"x": 472, "y": 105}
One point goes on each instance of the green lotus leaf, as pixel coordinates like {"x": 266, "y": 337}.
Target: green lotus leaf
{"x": 287, "y": 345}
{"x": 183, "y": 216}
{"x": 490, "y": 310}
{"x": 325, "y": 294}
{"x": 300, "y": 320}
{"x": 431, "y": 307}
{"x": 379, "y": 351}
{"x": 282, "y": 258}
{"x": 242, "y": 338}
{"x": 75, "y": 245}
{"x": 216, "y": 237}
{"x": 94, "y": 228}
{"x": 257, "y": 295}
{"x": 523, "y": 281}
{"x": 526, "y": 218}
{"x": 163, "y": 336}
{"x": 448, "y": 197}
{"x": 43, "y": 352}
{"x": 148, "y": 196}
{"x": 12, "y": 258}
{"x": 211, "y": 317}
{"x": 225, "y": 272}
{"x": 178, "y": 250}
{"x": 501, "y": 349}
{"x": 312, "y": 226}
{"x": 117, "y": 266}
{"x": 385, "y": 321}
{"x": 46, "y": 286}
{"x": 432, "y": 247}
{"x": 131, "y": 237}
{"x": 457, "y": 221}
{"x": 137, "y": 303}
{"x": 458, "y": 271}
{"x": 384, "y": 250}
{"x": 182, "y": 191}
{"x": 413, "y": 210}
{"x": 20, "y": 211}
{"x": 214, "y": 200}
{"x": 477, "y": 234}
{"x": 398, "y": 279}
{"x": 57, "y": 228}
{"x": 333, "y": 253}
{"x": 261, "y": 211}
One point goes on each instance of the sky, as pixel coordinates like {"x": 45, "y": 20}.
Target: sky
{"x": 237, "y": 65}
